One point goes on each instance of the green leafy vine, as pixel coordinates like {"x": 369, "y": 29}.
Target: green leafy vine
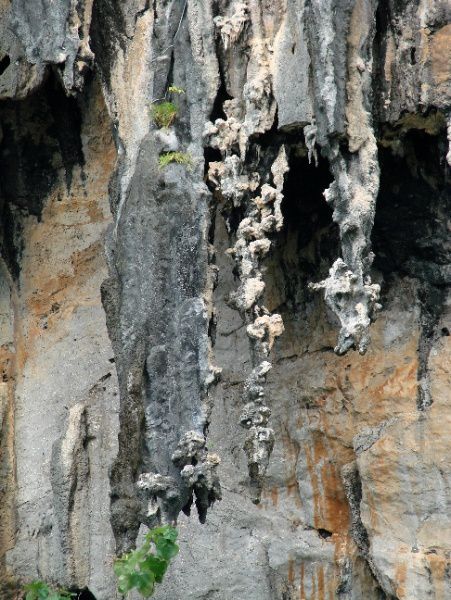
{"x": 142, "y": 568}
{"x": 38, "y": 590}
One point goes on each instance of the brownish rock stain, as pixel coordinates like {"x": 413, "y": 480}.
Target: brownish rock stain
{"x": 438, "y": 566}
{"x": 8, "y": 366}
{"x": 400, "y": 578}
{"x": 291, "y": 451}
{"x": 440, "y": 55}
{"x": 291, "y": 571}
{"x": 320, "y": 577}
{"x": 301, "y": 582}
{"x": 53, "y": 281}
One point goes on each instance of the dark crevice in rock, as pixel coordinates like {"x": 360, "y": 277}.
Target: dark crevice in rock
{"x": 352, "y": 485}
{"x": 83, "y": 594}
{"x": 210, "y": 155}
{"x": 304, "y": 204}
{"x": 27, "y": 170}
{"x": 353, "y": 488}
{"x": 324, "y": 533}
{"x": 11, "y": 243}
{"x": 4, "y": 64}
{"x": 410, "y": 235}
{"x": 107, "y": 32}
{"x": 169, "y": 77}
{"x": 217, "y": 112}
{"x": 233, "y": 215}
{"x": 212, "y": 327}
{"x": 221, "y": 96}
{"x": 431, "y": 302}
{"x": 379, "y": 51}
{"x": 66, "y": 128}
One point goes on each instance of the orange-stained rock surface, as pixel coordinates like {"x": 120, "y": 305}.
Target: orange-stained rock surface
{"x": 58, "y": 363}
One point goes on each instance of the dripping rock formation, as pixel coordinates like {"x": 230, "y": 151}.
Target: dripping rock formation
{"x": 238, "y": 320}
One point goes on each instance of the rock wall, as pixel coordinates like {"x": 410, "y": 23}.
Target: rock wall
{"x": 165, "y": 355}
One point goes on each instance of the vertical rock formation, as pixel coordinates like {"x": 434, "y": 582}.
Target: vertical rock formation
{"x": 341, "y": 67}
{"x": 161, "y": 346}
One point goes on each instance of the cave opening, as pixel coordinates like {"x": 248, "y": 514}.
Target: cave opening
{"x": 308, "y": 243}
{"x": 411, "y": 229}
{"x": 304, "y": 206}
{"x": 410, "y": 234}
{"x": 41, "y": 134}
{"x": 41, "y": 138}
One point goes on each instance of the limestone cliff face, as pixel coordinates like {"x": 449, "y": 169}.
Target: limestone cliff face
{"x": 255, "y": 345}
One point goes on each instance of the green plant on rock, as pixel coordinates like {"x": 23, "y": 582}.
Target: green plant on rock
{"x": 181, "y": 158}
{"x": 142, "y": 568}
{"x": 173, "y": 89}
{"x": 163, "y": 114}
{"x": 38, "y": 590}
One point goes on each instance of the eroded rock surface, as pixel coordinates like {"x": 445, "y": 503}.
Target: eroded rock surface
{"x": 161, "y": 348}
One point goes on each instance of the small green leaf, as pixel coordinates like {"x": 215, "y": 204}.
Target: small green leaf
{"x": 166, "y": 549}
{"x": 145, "y": 583}
{"x": 163, "y": 114}
{"x": 156, "y": 565}
{"x": 181, "y": 158}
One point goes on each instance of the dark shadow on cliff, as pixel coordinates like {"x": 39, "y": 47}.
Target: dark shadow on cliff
{"x": 410, "y": 234}
{"x": 40, "y": 135}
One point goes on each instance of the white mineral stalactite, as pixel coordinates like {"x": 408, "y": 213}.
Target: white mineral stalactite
{"x": 253, "y": 114}
{"x": 448, "y": 134}
{"x": 348, "y": 291}
{"x": 231, "y": 27}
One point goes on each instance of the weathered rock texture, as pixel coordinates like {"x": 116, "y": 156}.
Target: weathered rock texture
{"x": 162, "y": 347}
